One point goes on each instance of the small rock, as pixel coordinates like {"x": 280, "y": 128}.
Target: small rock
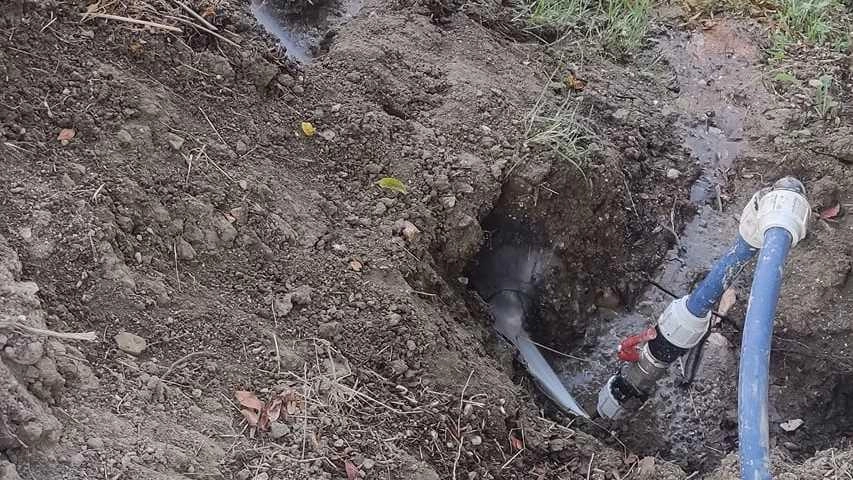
{"x": 339, "y": 443}
{"x": 124, "y": 137}
{"x": 792, "y": 425}
{"x": 261, "y": 476}
{"x": 410, "y": 231}
{"x": 355, "y": 265}
{"x": 410, "y": 344}
{"x": 646, "y": 468}
{"x": 185, "y": 250}
{"x": 620, "y": 114}
{"x": 672, "y": 173}
{"x": 373, "y": 168}
{"x": 448, "y": 201}
{"x": 394, "y": 319}
{"x": 243, "y": 474}
{"x": 368, "y": 464}
{"x": 66, "y": 181}
{"x": 95, "y": 443}
{"x": 328, "y": 329}
{"x": 175, "y": 141}
{"x": 240, "y": 147}
{"x": 379, "y": 209}
{"x": 243, "y": 184}
{"x": 77, "y": 459}
{"x": 399, "y": 367}
{"x": 283, "y": 304}
{"x": 130, "y": 343}
{"x": 302, "y": 295}
{"x": 279, "y": 430}
{"x": 462, "y": 187}
{"x": 476, "y": 440}
{"x": 557, "y": 445}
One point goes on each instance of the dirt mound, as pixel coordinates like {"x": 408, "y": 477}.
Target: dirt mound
{"x": 160, "y": 186}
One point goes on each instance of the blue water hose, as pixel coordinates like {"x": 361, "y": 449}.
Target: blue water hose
{"x": 754, "y": 379}
{"x": 709, "y": 291}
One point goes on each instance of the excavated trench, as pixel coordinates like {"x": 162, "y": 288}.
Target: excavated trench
{"x": 582, "y": 303}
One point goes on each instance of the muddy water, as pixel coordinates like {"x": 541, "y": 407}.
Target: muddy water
{"x": 720, "y": 99}
{"x": 302, "y": 34}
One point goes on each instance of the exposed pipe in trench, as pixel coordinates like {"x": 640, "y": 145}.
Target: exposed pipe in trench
{"x": 781, "y": 220}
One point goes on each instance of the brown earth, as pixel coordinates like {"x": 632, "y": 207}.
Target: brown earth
{"x": 190, "y": 209}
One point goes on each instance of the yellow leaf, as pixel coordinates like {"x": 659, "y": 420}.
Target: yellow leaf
{"x": 391, "y": 183}
{"x": 308, "y": 129}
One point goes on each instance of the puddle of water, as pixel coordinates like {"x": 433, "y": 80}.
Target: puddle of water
{"x": 301, "y": 35}
{"x": 719, "y": 91}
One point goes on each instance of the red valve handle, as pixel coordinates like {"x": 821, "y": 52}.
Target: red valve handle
{"x": 628, "y": 351}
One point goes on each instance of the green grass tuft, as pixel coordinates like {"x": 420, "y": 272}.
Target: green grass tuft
{"x": 621, "y": 25}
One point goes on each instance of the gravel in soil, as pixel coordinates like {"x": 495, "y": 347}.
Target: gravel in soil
{"x": 160, "y": 191}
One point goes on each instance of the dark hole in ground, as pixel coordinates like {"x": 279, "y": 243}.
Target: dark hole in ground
{"x": 303, "y": 28}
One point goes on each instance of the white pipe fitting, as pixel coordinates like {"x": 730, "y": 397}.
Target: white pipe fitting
{"x": 680, "y": 327}
{"x": 780, "y": 207}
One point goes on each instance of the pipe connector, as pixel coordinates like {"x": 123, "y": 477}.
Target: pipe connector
{"x": 784, "y": 206}
{"x": 680, "y": 327}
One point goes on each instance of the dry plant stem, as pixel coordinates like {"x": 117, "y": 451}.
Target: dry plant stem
{"x": 195, "y": 15}
{"x": 89, "y": 336}
{"x": 182, "y": 360}
{"x": 146, "y": 23}
{"x": 206, "y": 30}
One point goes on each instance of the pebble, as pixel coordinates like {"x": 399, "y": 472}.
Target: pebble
{"x": 328, "y": 329}
{"x": 620, "y": 114}
{"x": 673, "y": 173}
{"x": 410, "y": 231}
{"x": 262, "y": 476}
{"x": 77, "y": 459}
{"x": 410, "y": 344}
{"x": 379, "y": 209}
{"x": 476, "y": 440}
{"x": 95, "y": 443}
{"x": 394, "y": 319}
{"x": 130, "y": 343}
{"x": 448, "y": 201}
{"x": 339, "y": 443}
{"x": 368, "y": 464}
{"x": 243, "y": 474}
{"x": 175, "y": 141}
{"x": 302, "y": 295}
{"x": 279, "y": 430}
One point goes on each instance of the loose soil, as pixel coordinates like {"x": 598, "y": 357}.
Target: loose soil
{"x": 190, "y": 207}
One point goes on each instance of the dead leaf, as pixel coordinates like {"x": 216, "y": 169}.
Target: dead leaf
{"x": 574, "y": 82}
{"x": 352, "y": 471}
{"x": 727, "y": 301}
{"x": 66, "y": 134}
{"x": 249, "y": 400}
{"x": 250, "y": 416}
{"x": 831, "y": 212}
{"x": 355, "y": 265}
{"x": 516, "y": 442}
{"x": 272, "y": 411}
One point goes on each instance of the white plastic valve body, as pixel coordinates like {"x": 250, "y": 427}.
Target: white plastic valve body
{"x": 680, "y": 327}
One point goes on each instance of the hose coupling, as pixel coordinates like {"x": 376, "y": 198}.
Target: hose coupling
{"x": 782, "y": 205}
